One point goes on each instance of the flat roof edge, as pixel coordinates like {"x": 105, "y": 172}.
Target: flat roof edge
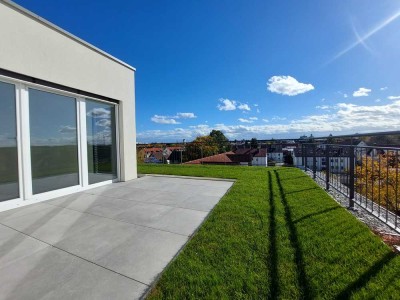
{"x": 34, "y": 16}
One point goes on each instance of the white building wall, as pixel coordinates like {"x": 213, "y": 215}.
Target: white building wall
{"x": 260, "y": 161}
{"x": 34, "y": 47}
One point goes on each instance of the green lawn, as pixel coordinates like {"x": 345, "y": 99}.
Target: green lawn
{"x": 276, "y": 234}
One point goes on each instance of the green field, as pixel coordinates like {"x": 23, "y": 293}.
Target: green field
{"x": 276, "y": 234}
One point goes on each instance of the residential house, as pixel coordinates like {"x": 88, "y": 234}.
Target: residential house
{"x": 260, "y": 158}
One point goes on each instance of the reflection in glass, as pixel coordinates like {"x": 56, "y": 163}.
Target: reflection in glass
{"x": 101, "y": 139}
{"x": 54, "y": 143}
{"x": 9, "y": 186}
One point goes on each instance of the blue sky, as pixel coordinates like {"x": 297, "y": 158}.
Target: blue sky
{"x": 249, "y": 68}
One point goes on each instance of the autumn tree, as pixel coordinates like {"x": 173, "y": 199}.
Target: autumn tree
{"x": 202, "y": 146}
{"x": 378, "y": 179}
{"x": 221, "y": 140}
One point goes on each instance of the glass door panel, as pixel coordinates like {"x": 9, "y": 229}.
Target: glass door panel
{"x": 101, "y": 141}
{"x": 9, "y": 185}
{"x": 54, "y": 141}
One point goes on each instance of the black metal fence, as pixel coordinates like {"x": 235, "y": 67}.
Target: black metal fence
{"x": 367, "y": 175}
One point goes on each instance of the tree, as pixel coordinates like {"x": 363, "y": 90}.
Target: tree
{"x": 330, "y": 139}
{"x": 254, "y": 143}
{"x": 202, "y": 146}
{"x": 378, "y": 180}
{"x": 221, "y": 140}
{"x": 288, "y": 158}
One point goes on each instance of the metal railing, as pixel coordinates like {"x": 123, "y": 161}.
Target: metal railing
{"x": 367, "y": 175}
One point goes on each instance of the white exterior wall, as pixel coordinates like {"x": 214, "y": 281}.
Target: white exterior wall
{"x": 260, "y": 161}
{"x": 33, "y": 47}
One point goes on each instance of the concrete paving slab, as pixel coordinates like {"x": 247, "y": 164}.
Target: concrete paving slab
{"x": 100, "y": 239}
{"x": 145, "y": 256}
{"x": 200, "y": 202}
{"x": 54, "y": 274}
{"x": 138, "y": 194}
{"x": 21, "y": 211}
{"x": 15, "y": 245}
{"x": 143, "y": 214}
{"x": 169, "y": 198}
{"x": 180, "y": 220}
{"x": 84, "y": 202}
{"x": 52, "y": 224}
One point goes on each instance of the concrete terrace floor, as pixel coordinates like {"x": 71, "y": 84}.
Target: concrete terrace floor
{"x": 110, "y": 242}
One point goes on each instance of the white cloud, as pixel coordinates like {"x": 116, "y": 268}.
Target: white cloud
{"x": 187, "y": 115}
{"x": 287, "y": 85}
{"x": 393, "y": 97}
{"x": 265, "y": 120}
{"x": 345, "y": 118}
{"x": 243, "y": 107}
{"x": 163, "y": 120}
{"x": 362, "y": 92}
{"x": 324, "y": 107}
{"x": 253, "y": 118}
{"x": 226, "y": 104}
{"x": 245, "y": 120}
{"x": 377, "y": 100}
{"x": 172, "y": 119}
{"x": 345, "y": 95}
{"x": 67, "y": 129}
{"x": 104, "y": 123}
{"x": 255, "y": 105}
{"x": 258, "y": 110}
{"x": 384, "y": 88}
{"x": 99, "y": 113}
{"x": 277, "y": 118}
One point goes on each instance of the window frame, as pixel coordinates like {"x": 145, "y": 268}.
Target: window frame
{"x": 23, "y": 144}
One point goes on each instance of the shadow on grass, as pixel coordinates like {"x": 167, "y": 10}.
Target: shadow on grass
{"x": 294, "y": 178}
{"x": 317, "y": 213}
{"x": 367, "y": 276}
{"x": 273, "y": 254}
{"x": 294, "y": 241}
{"x": 305, "y": 190}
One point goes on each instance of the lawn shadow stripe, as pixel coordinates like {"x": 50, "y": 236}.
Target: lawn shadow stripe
{"x": 366, "y": 277}
{"x": 294, "y": 241}
{"x": 316, "y": 213}
{"x": 273, "y": 252}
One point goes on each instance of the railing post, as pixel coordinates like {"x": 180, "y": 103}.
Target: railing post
{"x": 303, "y": 156}
{"x": 327, "y": 166}
{"x": 314, "y": 161}
{"x": 351, "y": 179}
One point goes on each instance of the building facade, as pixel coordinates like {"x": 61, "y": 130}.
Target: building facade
{"x": 67, "y": 118}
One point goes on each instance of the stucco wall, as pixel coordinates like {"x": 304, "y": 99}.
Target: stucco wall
{"x": 31, "y": 46}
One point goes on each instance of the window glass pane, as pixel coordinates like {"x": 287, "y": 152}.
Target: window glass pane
{"x": 101, "y": 138}
{"x": 54, "y": 142}
{"x": 9, "y": 187}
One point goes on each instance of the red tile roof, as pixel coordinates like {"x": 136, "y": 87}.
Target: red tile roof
{"x": 153, "y": 149}
{"x": 223, "y": 158}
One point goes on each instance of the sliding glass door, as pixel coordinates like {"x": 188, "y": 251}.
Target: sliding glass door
{"x": 51, "y": 140}
{"x": 101, "y": 141}
{"x": 54, "y": 141}
{"x": 9, "y": 183}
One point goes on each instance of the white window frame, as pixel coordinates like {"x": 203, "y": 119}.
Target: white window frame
{"x": 23, "y": 144}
